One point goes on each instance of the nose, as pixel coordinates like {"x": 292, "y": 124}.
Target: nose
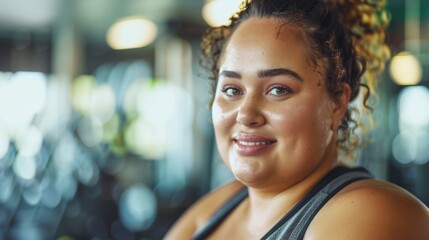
{"x": 249, "y": 113}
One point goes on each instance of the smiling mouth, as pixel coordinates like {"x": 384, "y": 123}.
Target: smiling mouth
{"x": 252, "y": 148}
{"x": 253, "y": 143}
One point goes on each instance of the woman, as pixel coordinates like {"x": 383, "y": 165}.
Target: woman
{"x": 285, "y": 73}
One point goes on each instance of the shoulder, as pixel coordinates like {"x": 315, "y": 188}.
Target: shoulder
{"x": 371, "y": 209}
{"x": 200, "y": 212}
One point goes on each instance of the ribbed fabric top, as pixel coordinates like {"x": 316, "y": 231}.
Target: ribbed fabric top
{"x": 295, "y": 223}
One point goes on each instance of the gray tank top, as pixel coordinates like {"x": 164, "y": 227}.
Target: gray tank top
{"x": 294, "y": 224}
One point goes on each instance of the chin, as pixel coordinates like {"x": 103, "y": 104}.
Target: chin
{"x": 249, "y": 175}
{"x": 250, "y": 181}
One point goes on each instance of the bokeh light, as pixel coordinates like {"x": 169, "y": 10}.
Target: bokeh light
{"x": 410, "y": 145}
{"x": 65, "y": 154}
{"x": 161, "y": 95}
{"x": 149, "y": 132}
{"x": 217, "y": 12}
{"x": 21, "y": 98}
{"x": 141, "y": 138}
{"x": 111, "y": 128}
{"x": 29, "y": 142}
{"x": 132, "y": 94}
{"x": 66, "y": 185}
{"x": 90, "y": 131}
{"x": 131, "y": 32}
{"x": 102, "y": 103}
{"x": 30, "y": 88}
{"x": 25, "y": 167}
{"x": 86, "y": 170}
{"x": 82, "y": 88}
{"x": 32, "y": 194}
{"x": 413, "y": 107}
{"x": 406, "y": 69}
{"x": 137, "y": 207}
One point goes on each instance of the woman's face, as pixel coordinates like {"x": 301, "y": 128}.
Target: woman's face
{"x": 273, "y": 118}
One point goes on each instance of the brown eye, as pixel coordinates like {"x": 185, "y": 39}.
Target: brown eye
{"x": 279, "y": 91}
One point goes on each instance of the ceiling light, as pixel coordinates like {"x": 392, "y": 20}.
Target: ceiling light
{"x": 217, "y": 12}
{"x": 406, "y": 69}
{"x": 132, "y": 32}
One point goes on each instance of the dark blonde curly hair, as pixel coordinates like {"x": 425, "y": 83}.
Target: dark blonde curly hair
{"x": 347, "y": 36}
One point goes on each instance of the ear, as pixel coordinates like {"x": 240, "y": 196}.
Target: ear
{"x": 340, "y": 108}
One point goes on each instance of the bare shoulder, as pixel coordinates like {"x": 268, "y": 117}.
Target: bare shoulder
{"x": 200, "y": 212}
{"x": 371, "y": 209}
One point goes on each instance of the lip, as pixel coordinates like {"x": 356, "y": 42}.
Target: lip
{"x": 251, "y": 144}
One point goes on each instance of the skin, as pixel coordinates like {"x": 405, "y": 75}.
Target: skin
{"x": 292, "y": 112}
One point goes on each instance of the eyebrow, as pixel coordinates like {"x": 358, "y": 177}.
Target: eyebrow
{"x": 278, "y": 72}
{"x": 265, "y": 73}
{"x": 230, "y": 74}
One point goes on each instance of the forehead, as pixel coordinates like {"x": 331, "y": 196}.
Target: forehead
{"x": 274, "y": 28}
{"x": 267, "y": 41}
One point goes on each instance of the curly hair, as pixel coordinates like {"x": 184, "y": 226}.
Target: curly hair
{"x": 346, "y": 36}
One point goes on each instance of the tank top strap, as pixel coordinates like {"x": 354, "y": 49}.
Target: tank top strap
{"x": 294, "y": 224}
{"x": 222, "y": 212}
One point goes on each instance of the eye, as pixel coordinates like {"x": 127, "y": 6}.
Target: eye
{"x": 279, "y": 91}
{"x": 231, "y": 91}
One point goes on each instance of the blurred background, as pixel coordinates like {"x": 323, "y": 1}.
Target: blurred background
{"x": 104, "y": 122}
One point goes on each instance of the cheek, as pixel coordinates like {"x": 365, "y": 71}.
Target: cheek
{"x": 217, "y": 114}
{"x": 291, "y": 119}
{"x": 324, "y": 126}
{"x": 223, "y": 118}
{"x": 221, "y": 114}
{"x": 305, "y": 120}
{"x": 222, "y": 123}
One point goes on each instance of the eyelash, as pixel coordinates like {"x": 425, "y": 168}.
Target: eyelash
{"x": 285, "y": 90}
{"x": 226, "y": 88}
